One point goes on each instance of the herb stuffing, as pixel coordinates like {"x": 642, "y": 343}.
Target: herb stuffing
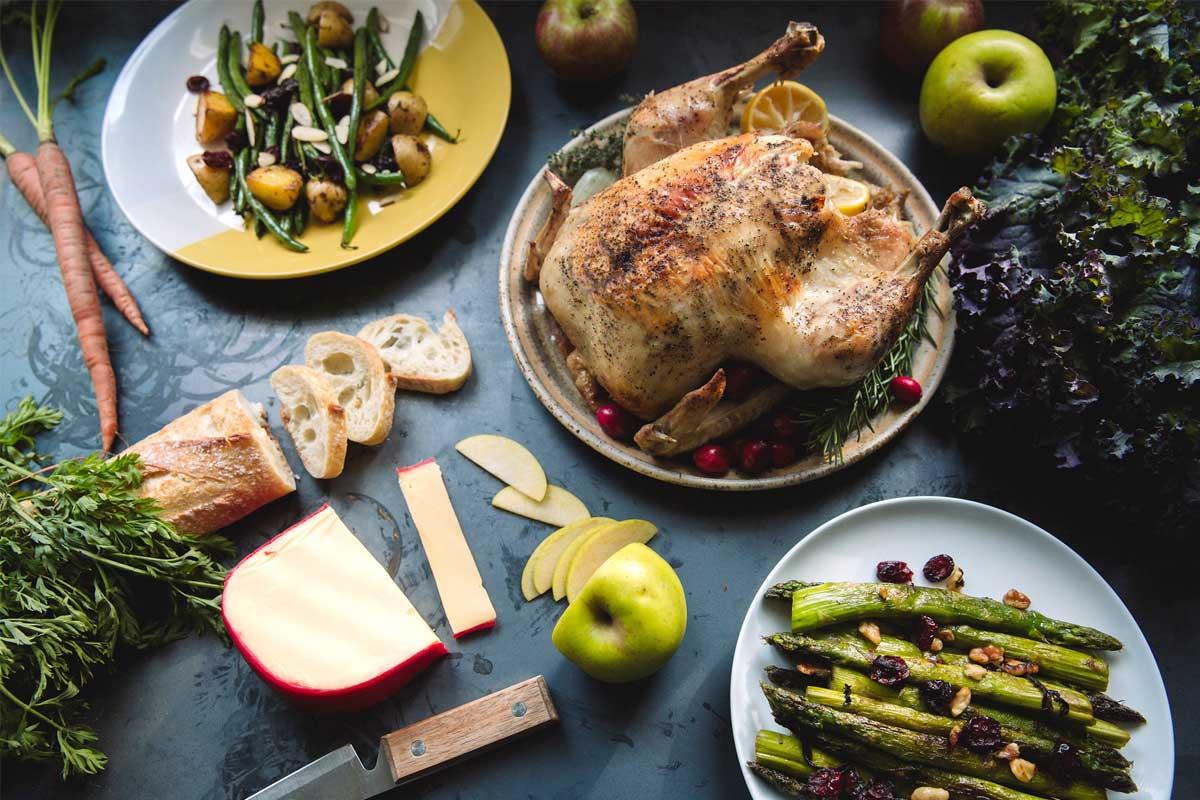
{"x": 82, "y": 559}
{"x": 1079, "y": 293}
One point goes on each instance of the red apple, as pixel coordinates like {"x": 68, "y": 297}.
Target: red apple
{"x": 586, "y": 40}
{"x": 912, "y": 32}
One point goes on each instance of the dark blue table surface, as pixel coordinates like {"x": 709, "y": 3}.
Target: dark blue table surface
{"x": 192, "y": 721}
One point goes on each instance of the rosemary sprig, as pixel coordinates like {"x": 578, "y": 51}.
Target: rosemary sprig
{"x": 833, "y": 418}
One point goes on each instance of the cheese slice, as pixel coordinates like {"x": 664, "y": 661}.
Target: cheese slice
{"x": 468, "y": 607}
{"x": 321, "y": 620}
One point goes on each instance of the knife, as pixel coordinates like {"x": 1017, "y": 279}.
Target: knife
{"x": 423, "y": 747}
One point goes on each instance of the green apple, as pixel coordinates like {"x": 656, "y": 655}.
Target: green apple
{"x": 983, "y": 88}
{"x": 628, "y": 620}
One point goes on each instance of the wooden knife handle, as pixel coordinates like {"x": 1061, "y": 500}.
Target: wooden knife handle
{"x": 461, "y": 732}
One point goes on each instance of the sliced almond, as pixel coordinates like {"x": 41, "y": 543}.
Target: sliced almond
{"x": 301, "y": 114}
{"x": 253, "y": 100}
{"x": 250, "y": 126}
{"x": 266, "y": 159}
{"x": 290, "y": 58}
{"x": 381, "y": 67}
{"x": 336, "y": 63}
{"x": 342, "y": 130}
{"x": 368, "y": 168}
{"x": 388, "y": 76}
{"x": 322, "y": 147}
{"x": 288, "y": 71}
{"x": 304, "y": 133}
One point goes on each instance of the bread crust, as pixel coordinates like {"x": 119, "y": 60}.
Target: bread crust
{"x": 334, "y": 417}
{"x": 214, "y": 465}
{"x": 406, "y": 378}
{"x": 383, "y": 384}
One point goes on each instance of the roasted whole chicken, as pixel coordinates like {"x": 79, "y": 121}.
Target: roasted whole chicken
{"x": 719, "y": 248}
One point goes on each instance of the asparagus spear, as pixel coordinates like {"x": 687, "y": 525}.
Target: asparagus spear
{"x": 1033, "y": 747}
{"x": 831, "y": 603}
{"x": 1004, "y": 689}
{"x": 1105, "y": 707}
{"x": 909, "y": 746}
{"x": 785, "y": 590}
{"x": 1072, "y": 666}
{"x": 785, "y": 753}
{"x": 789, "y": 786}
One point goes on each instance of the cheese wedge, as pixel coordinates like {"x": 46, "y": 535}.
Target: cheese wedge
{"x": 468, "y": 607}
{"x": 320, "y": 620}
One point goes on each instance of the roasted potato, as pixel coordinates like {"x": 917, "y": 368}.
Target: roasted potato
{"x": 412, "y": 157}
{"x": 407, "y": 112}
{"x": 215, "y": 117}
{"x": 213, "y": 180}
{"x": 314, "y": 13}
{"x": 326, "y": 199}
{"x": 333, "y": 31}
{"x": 263, "y": 66}
{"x": 370, "y": 95}
{"x": 277, "y": 186}
{"x": 372, "y": 132}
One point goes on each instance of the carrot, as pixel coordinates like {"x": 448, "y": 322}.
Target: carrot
{"x": 22, "y": 169}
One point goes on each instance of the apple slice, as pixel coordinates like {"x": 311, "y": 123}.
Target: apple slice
{"x": 559, "y": 507}
{"x": 558, "y": 581}
{"x": 596, "y": 549}
{"x": 508, "y": 461}
{"x": 538, "y": 576}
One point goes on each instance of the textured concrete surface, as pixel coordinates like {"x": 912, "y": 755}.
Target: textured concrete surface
{"x": 192, "y": 721}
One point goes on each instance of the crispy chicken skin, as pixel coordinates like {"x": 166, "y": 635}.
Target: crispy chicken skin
{"x": 727, "y": 250}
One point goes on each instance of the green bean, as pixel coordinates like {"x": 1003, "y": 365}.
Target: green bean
{"x": 409, "y": 60}
{"x": 395, "y": 179}
{"x": 285, "y": 135}
{"x": 227, "y": 84}
{"x": 434, "y": 126}
{"x": 376, "y": 42}
{"x": 327, "y": 121}
{"x": 350, "y": 219}
{"x": 260, "y": 230}
{"x": 256, "y": 22}
{"x": 261, "y": 211}
{"x": 235, "y": 69}
{"x": 300, "y": 224}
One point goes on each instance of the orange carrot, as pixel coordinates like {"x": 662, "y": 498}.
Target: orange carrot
{"x": 65, "y": 221}
{"x": 23, "y": 171}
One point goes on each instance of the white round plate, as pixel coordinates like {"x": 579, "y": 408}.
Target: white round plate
{"x": 997, "y": 551}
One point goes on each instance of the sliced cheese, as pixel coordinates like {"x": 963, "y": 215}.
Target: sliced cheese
{"x": 317, "y": 616}
{"x": 468, "y": 607}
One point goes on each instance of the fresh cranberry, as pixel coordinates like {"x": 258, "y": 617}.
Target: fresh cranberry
{"x": 925, "y": 631}
{"x": 826, "y": 782}
{"x": 712, "y": 459}
{"x": 889, "y": 670}
{"x": 783, "y": 454}
{"x": 906, "y": 389}
{"x": 339, "y": 104}
{"x": 981, "y": 734}
{"x": 739, "y": 380}
{"x": 754, "y": 456}
{"x": 938, "y": 568}
{"x": 893, "y": 572}
{"x": 937, "y": 696}
{"x": 197, "y": 84}
{"x": 218, "y": 159}
{"x": 615, "y": 421}
{"x": 1064, "y": 762}
{"x": 784, "y": 426}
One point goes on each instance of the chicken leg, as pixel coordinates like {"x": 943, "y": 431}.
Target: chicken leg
{"x": 700, "y": 109}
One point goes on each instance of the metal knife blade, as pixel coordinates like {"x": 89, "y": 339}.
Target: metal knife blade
{"x": 340, "y": 775}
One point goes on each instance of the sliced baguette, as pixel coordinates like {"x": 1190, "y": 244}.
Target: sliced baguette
{"x": 422, "y": 359}
{"x": 310, "y": 413}
{"x": 360, "y": 381}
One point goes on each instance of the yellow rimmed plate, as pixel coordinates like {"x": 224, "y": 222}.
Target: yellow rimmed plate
{"x": 148, "y": 132}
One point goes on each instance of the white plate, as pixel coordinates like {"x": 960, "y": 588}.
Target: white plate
{"x": 997, "y": 551}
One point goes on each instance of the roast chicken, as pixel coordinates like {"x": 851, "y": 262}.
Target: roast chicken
{"x": 727, "y": 249}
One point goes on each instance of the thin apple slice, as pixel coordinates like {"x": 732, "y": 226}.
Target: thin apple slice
{"x": 507, "y": 460}
{"x": 538, "y": 575}
{"x": 558, "y": 581}
{"x": 560, "y": 507}
{"x": 596, "y": 549}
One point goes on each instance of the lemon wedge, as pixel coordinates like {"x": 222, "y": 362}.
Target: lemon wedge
{"x": 781, "y": 103}
{"x": 848, "y": 196}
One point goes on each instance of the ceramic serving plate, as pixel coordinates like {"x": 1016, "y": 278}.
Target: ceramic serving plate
{"x": 532, "y": 332}
{"x": 997, "y": 551}
{"x": 149, "y": 131}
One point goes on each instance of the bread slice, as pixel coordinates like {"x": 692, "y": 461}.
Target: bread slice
{"x": 421, "y": 359}
{"x": 310, "y": 412}
{"x": 361, "y": 383}
{"x": 214, "y": 465}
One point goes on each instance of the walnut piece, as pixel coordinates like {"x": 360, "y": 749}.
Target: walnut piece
{"x": 974, "y": 672}
{"x": 930, "y": 793}
{"x": 1009, "y": 752}
{"x": 962, "y": 699}
{"x": 870, "y": 632}
{"x": 1022, "y": 770}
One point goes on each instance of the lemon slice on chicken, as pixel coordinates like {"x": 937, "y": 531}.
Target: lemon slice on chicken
{"x": 848, "y": 196}
{"x": 782, "y": 103}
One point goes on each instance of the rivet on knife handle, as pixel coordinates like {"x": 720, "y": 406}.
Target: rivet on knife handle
{"x": 490, "y": 721}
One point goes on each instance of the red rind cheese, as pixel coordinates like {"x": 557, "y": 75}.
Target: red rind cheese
{"x": 317, "y": 617}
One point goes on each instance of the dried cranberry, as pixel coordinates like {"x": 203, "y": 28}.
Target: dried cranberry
{"x": 937, "y": 696}
{"x": 385, "y": 160}
{"x": 879, "y": 790}
{"x": 294, "y": 165}
{"x": 279, "y": 97}
{"x": 1064, "y": 762}
{"x": 218, "y": 159}
{"x": 236, "y": 141}
{"x": 754, "y": 456}
{"x": 784, "y": 426}
{"x": 783, "y": 454}
{"x": 739, "y": 380}
{"x": 925, "y": 631}
{"x": 826, "y": 782}
{"x": 615, "y": 421}
{"x": 197, "y": 84}
{"x": 938, "y": 568}
{"x": 905, "y": 389}
{"x": 712, "y": 459}
{"x": 893, "y": 572}
{"x": 330, "y": 167}
{"x": 981, "y": 734}
{"x": 339, "y": 104}
{"x": 851, "y": 782}
{"x": 889, "y": 670}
